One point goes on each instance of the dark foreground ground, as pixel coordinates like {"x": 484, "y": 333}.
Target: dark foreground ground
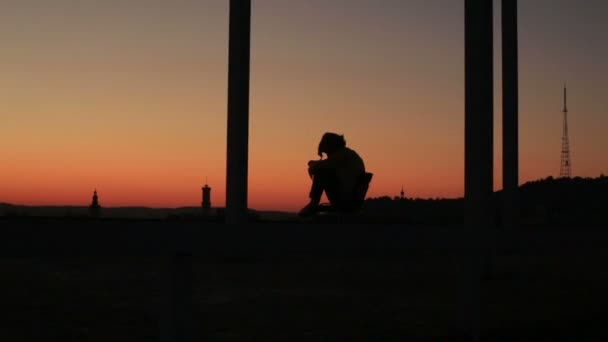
{"x": 414, "y": 294}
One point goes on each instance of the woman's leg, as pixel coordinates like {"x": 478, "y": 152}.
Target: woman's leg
{"x": 322, "y": 181}
{"x": 325, "y": 181}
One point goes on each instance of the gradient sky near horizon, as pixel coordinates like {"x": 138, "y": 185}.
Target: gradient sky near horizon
{"x": 129, "y": 96}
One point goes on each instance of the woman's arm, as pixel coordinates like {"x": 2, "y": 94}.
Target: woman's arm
{"x": 329, "y": 163}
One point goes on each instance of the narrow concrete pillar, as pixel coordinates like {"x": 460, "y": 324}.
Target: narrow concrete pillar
{"x": 510, "y": 113}
{"x": 238, "y": 111}
{"x": 479, "y": 112}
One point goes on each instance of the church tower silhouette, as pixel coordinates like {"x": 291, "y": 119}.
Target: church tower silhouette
{"x": 206, "y": 198}
{"x": 95, "y": 208}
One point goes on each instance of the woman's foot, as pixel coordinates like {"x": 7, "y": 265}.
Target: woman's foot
{"x": 309, "y": 210}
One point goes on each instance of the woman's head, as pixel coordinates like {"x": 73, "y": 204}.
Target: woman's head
{"x": 331, "y": 142}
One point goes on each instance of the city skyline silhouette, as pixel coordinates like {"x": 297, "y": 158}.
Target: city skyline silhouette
{"x": 139, "y": 109}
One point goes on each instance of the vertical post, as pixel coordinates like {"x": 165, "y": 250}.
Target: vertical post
{"x": 510, "y": 112}
{"x": 238, "y": 111}
{"x": 479, "y": 108}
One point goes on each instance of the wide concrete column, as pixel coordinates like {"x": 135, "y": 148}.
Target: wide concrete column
{"x": 238, "y": 111}
{"x": 510, "y": 113}
{"x": 479, "y": 112}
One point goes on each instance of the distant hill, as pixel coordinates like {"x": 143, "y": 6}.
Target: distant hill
{"x": 81, "y": 211}
{"x": 182, "y": 213}
{"x": 564, "y": 201}
{"x": 545, "y": 202}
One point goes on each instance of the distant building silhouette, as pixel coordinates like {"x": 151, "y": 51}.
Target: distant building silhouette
{"x": 95, "y": 208}
{"x": 206, "y": 198}
{"x": 402, "y": 193}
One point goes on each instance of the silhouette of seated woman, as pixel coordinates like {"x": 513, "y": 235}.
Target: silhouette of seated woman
{"x": 337, "y": 175}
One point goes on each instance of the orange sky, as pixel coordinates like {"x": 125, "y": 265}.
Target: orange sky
{"x": 129, "y": 97}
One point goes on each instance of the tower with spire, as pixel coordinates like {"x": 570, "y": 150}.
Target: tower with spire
{"x": 95, "y": 208}
{"x": 206, "y": 204}
{"x": 565, "y": 170}
{"x": 402, "y": 193}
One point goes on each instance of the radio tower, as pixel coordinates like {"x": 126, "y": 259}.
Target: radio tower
{"x": 565, "y": 168}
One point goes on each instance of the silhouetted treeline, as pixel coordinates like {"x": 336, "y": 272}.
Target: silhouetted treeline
{"x": 566, "y": 201}
{"x": 546, "y": 202}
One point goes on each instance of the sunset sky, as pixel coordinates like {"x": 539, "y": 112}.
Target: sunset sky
{"x": 129, "y": 97}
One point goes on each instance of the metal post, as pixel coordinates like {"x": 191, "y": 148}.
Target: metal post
{"x": 238, "y": 111}
{"x": 479, "y": 91}
{"x": 510, "y": 104}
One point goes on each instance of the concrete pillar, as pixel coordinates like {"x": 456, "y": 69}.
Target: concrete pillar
{"x": 238, "y": 111}
{"x": 510, "y": 112}
{"x": 479, "y": 111}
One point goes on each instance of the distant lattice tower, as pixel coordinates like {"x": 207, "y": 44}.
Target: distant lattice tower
{"x": 565, "y": 169}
